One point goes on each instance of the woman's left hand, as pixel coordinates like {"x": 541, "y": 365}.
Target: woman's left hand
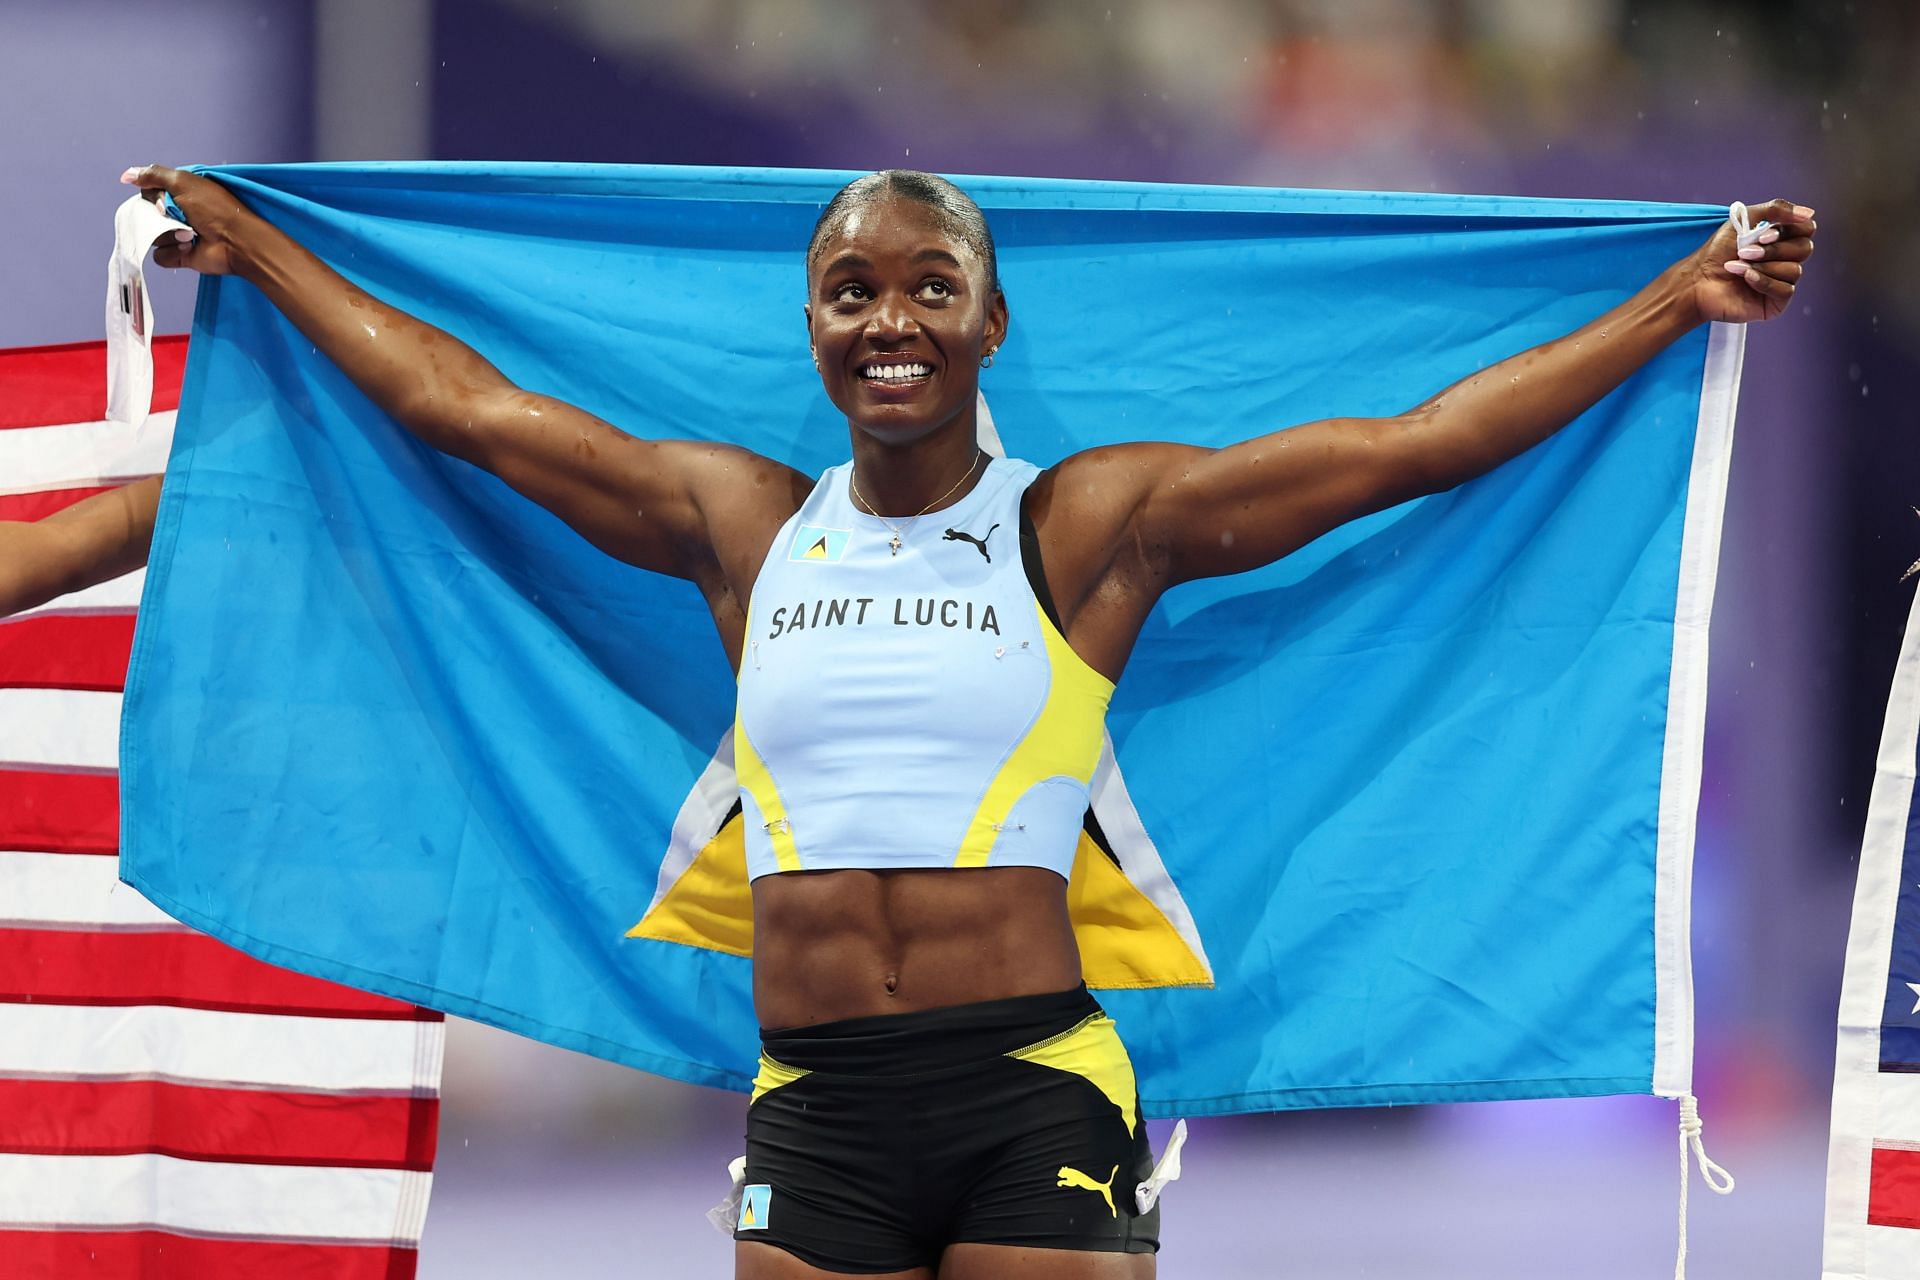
{"x": 1742, "y": 285}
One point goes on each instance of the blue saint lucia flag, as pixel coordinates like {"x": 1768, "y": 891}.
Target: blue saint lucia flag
{"x": 1407, "y": 816}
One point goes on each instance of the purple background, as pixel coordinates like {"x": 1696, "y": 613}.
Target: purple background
{"x": 554, "y": 1164}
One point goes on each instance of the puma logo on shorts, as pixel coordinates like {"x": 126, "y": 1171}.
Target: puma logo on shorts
{"x": 1072, "y": 1177}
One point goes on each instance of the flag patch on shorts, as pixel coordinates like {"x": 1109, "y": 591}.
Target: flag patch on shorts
{"x": 754, "y": 1203}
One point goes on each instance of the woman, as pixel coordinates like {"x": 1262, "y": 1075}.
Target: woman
{"x": 941, "y": 1095}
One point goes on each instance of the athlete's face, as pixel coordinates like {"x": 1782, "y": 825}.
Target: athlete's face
{"x": 899, "y": 313}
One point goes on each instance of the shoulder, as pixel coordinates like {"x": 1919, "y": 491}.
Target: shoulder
{"x": 1112, "y": 480}
{"x": 731, "y": 483}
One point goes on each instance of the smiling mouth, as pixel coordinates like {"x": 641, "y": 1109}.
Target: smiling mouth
{"x": 898, "y": 374}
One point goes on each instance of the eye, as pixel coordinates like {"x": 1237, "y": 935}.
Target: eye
{"x": 937, "y": 289}
{"x": 851, "y": 291}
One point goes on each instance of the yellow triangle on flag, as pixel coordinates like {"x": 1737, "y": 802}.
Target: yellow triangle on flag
{"x": 818, "y": 551}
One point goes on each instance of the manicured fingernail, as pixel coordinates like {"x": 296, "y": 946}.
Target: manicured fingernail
{"x": 1752, "y": 251}
{"x": 1801, "y": 212}
{"x": 127, "y": 177}
{"x": 183, "y": 236}
{"x": 1768, "y": 236}
{"x": 1736, "y": 268}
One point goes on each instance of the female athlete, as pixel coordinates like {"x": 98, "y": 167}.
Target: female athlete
{"x": 938, "y": 1094}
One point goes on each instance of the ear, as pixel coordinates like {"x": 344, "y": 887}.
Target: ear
{"x": 806, "y": 309}
{"x": 997, "y": 323}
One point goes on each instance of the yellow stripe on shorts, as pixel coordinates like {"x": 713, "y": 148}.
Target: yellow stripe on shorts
{"x": 1091, "y": 1049}
{"x": 771, "y": 1076}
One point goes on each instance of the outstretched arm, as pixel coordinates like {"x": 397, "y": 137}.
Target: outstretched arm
{"x": 1198, "y": 513}
{"x": 91, "y": 541}
{"x": 653, "y": 503}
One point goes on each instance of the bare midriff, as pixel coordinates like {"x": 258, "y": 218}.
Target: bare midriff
{"x": 848, "y": 944}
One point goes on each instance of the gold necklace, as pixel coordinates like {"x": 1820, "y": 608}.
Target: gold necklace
{"x": 894, "y": 543}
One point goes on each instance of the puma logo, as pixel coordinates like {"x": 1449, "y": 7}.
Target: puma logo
{"x": 980, "y": 543}
{"x": 1071, "y": 1177}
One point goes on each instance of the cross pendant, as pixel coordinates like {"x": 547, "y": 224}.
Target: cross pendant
{"x": 894, "y": 544}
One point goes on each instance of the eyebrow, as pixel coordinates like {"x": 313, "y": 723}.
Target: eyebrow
{"x": 855, "y": 260}
{"x": 846, "y": 260}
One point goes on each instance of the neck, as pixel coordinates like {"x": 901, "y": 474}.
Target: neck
{"x": 902, "y": 480}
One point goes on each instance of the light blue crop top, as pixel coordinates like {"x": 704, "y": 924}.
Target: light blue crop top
{"x": 911, "y": 709}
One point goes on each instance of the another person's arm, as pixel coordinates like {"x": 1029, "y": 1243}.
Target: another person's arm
{"x": 653, "y": 503}
{"x": 93, "y": 540}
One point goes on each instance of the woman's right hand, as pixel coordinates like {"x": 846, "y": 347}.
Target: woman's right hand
{"x": 214, "y": 213}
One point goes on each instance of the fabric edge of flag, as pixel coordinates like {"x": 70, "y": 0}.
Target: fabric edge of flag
{"x": 166, "y": 530}
{"x": 1681, "y": 758}
{"x": 738, "y": 184}
{"x": 1392, "y": 1095}
{"x": 1869, "y": 952}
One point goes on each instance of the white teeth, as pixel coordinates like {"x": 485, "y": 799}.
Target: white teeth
{"x": 897, "y": 372}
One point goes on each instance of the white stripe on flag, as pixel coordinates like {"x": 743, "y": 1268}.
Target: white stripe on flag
{"x": 57, "y": 890}
{"x": 207, "y": 1046}
{"x": 81, "y": 454}
{"x": 255, "y": 1201}
{"x": 60, "y": 729}
{"x": 1685, "y": 743}
{"x": 1896, "y": 1108}
{"x": 115, "y": 595}
{"x": 1892, "y": 1253}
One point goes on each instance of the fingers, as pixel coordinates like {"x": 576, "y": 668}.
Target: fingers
{"x": 1774, "y": 280}
{"x": 175, "y": 243}
{"x": 176, "y": 250}
{"x": 151, "y": 177}
{"x": 1779, "y": 249}
{"x": 1771, "y": 263}
{"x": 1789, "y": 219}
{"x": 1780, "y": 212}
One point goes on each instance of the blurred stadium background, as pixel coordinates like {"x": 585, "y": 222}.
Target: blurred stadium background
{"x": 555, "y": 1164}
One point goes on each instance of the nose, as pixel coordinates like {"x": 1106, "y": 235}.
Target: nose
{"x": 891, "y": 320}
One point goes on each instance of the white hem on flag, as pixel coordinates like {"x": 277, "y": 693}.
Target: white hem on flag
{"x": 1687, "y": 714}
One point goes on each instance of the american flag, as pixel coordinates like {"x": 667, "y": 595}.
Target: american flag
{"x": 1873, "y": 1162}
{"x": 169, "y": 1107}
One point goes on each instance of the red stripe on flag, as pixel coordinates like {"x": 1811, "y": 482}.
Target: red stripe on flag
{"x": 49, "y": 386}
{"x": 183, "y": 970}
{"x": 161, "y": 1255}
{"x": 59, "y": 812}
{"x": 1893, "y": 1188}
{"x": 81, "y": 652}
{"x": 44, "y": 502}
{"x": 195, "y": 1122}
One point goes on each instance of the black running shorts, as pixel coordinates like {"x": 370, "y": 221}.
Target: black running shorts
{"x": 873, "y": 1143}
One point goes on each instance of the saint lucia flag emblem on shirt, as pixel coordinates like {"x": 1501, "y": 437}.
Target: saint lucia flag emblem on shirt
{"x": 812, "y": 542}
{"x": 754, "y": 1203}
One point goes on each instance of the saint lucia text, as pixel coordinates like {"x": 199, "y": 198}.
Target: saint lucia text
{"x": 916, "y": 611}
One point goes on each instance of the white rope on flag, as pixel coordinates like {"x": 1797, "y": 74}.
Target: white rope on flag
{"x": 1718, "y": 1180}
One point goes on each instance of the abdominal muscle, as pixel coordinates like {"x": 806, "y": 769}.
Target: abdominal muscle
{"x": 851, "y": 943}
